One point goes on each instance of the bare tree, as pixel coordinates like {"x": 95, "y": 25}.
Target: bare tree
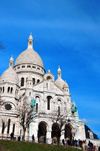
{"x": 1, "y": 46}
{"x": 27, "y": 114}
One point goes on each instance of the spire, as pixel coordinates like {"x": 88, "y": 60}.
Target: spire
{"x": 30, "y": 41}
{"x": 59, "y": 72}
{"x": 11, "y": 61}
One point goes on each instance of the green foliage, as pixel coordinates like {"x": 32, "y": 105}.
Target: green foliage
{"x": 6, "y": 145}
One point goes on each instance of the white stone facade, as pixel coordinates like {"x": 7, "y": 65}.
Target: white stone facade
{"x": 27, "y": 77}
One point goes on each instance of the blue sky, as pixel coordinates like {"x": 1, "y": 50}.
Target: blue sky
{"x": 67, "y": 34}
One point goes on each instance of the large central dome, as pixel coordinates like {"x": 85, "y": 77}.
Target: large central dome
{"x": 29, "y": 56}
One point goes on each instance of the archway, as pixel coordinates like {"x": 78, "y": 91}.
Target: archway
{"x": 42, "y": 129}
{"x": 55, "y": 133}
{"x": 68, "y": 134}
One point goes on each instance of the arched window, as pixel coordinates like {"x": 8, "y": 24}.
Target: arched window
{"x": 29, "y": 93}
{"x": 8, "y": 126}
{"x": 58, "y": 110}
{"x": 8, "y": 89}
{"x": 11, "y": 90}
{"x": 13, "y": 128}
{"x": 48, "y": 102}
{"x": 38, "y": 81}
{"x": 3, "y": 89}
{"x": 49, "y": 78}
{"x": 22, "y": 81}
{"x": 33, "y": 81}
{"x": 36, "y": 107}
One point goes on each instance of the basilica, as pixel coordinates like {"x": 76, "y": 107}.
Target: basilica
{"x": 28, "y": 78}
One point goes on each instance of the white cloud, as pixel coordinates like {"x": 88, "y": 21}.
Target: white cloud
{"x": 84, "y": 120}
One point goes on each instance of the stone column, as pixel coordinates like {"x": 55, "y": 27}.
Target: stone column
{"x": 62, "y": 136}
{"x": 48, "y": 138}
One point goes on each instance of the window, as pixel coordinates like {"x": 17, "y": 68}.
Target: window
{"x": 18, "y": 67}
{"x": 58, "y": 110}
{"x": 11, "y": 90}
{"x": 36, "y": 107}
{"x": 29, "y": 93}
{"x": 38, "y": 68}
{"x": 8, "y": 126}
{"x": 38, "y": 81}
{"x": 8, "y": 89}
{"x": 29, "y": 66}
{"x": 16, "y": 92}
{"x": 33, "y": 67}
{"x": 3, "y": 89}
{"x": 48, "y": 102}
{"x": 22, "y": 81}
{"x": 0, "y": 89}
{"x": 13, "y": 128}
{"x": 49, "y": 78}
{"x": 23, "y": 66}
{"x": 30, "y": 42}
{"x": 33, "y": 81}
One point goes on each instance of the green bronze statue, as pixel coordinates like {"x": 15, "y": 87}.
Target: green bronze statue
{"x": 33, "y": 103}
{"x": 74, "y": 108}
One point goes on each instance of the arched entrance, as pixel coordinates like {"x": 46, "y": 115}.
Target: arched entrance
{"x": 55, "y": 133}
{"x": 68, "y": 134}
{"x": 42, "y": 129}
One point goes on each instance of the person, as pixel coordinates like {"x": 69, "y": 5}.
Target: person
{"x": 18, "y": 138}
{"x": 44, "y": 139}
{"x": 12, "y": 136}
{"x": 63, "y": 141}
{"x": 33, "y": 137}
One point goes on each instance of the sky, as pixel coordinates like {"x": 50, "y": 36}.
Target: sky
{"x": 66, "y": 33}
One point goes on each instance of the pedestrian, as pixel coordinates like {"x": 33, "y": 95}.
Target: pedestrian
{"x": 63, "y": 141}
{"x": 12, "y": 136}
{"x": 33, "y": 138}
{"x": 18, "y": 138}
{"x": 44, "y": 139}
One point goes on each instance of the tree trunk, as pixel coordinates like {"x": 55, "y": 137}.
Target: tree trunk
{"x": 24, "y": 134}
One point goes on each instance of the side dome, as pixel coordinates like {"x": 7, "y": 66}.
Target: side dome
{"x": 9, "y": 76}
{"x": 29, "y": 56}
{"x": 59, "y": 82}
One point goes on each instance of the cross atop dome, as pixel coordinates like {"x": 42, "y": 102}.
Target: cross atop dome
{"x": 30, "y": 41}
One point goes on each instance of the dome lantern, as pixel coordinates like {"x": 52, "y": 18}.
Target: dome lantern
{"x": 11, "y": 61}
{"x": 30, "y": 41}
{"x": 59, "y": 72}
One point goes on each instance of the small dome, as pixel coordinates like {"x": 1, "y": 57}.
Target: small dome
{"x": 65, "y": 85}
{"x": 9, "y": 76}
{"x": 59, "y": 82}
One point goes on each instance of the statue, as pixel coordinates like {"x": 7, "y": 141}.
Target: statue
{"x": 33, "y": 103}
{"x": 74, "y": 108}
